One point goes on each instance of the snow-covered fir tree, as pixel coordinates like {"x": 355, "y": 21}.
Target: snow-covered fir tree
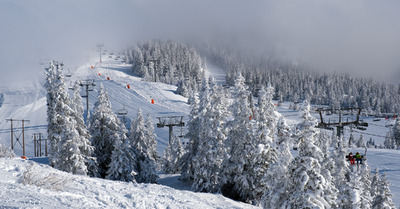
{"x": 307, "y": 187}
{"x": 66, "y": 145}
{"x": 365, "y": 186}
{"x": 276, "y": 177}
{"x": 151, "y": 140}
{"x": 105, "y": 128}
{"x": 54, "y": 85}
{"x": 186, "y": 162}
{"x": 85, "y": 145}
{"x": 238, "y": 174}
{"x": 341, "y": 174}
{"x": 210, "y": 151}
{"x": 396, "y": 132}
{"x": 383, "y": 196}
{"x": 145, "y": 163}
{"x": 123, "y": 159}
{"x": 172, "y": 156}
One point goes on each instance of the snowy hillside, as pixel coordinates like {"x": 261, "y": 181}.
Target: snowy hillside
{"x": 30, "y": 104}
{"x": 28, "y": 183}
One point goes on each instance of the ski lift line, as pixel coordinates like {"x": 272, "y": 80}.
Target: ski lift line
{"x": 369, "y": 134}
{"x": 377, "y": 125}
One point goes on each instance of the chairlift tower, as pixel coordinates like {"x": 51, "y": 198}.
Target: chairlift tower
{"x": 340, "y": 124}
{"x": 88, "y": 84}
{"x": 100, "y": 45}
{"x": 170, "y": 122}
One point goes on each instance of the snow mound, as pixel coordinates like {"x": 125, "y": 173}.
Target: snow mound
{"x": 27, "y": 184}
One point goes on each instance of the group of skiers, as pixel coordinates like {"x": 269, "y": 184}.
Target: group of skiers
{"x": 355, "y": 158}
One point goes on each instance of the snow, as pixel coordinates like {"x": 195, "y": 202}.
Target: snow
{"x": 32, "y": 183}
{"x": 27, "y": 184}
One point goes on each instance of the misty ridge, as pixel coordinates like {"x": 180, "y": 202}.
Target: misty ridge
{"x": 355, "y": 37}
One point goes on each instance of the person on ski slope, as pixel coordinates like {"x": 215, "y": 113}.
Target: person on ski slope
{"x": 358, "y": 158}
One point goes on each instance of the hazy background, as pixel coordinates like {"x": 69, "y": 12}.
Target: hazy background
{"x": 358, "y": 36}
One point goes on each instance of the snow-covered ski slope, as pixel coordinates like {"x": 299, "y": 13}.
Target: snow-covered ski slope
{"x": 26, "y": 184}
{"x": 30, "y": 104}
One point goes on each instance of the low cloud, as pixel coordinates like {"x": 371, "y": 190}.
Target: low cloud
{"x": 359, "y": 36}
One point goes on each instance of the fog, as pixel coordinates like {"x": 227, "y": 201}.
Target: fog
{"x": 357, "y": 36}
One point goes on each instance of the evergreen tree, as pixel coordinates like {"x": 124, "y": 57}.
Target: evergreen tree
{"x": 123, "y": 159}
{"x": 186, "y": 162}
{"x": 172, "y": 156}
{"x": 54, "y": 85}
{"x": 105, "y": 128}
{"x": 86, "y": 148}
{"x": 210, "y": 151}
{"x": 276, "y": 177}
{"x": 396, "y": 132}
{"x": 151, "y": 140}
{"x": 145, "y": 163}
{"x": 238, "y": 167}
{"x": 383, "y": 196}
{"x": 307, "y": 186}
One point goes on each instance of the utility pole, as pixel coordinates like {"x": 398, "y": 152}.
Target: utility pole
{"x": 37, "y": 140}
{"x": 99, "y": 45}
{"x": 17, "y": 137}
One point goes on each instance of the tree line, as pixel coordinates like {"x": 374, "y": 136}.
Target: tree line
{"x": 103, "y": 148}
{"x": 242, "y": 149}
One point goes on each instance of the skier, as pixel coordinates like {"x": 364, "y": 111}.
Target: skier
{"x": 358, "y": 158}
{"x": 351, "y": 158}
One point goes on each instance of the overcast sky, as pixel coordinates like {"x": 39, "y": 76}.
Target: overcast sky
{"x": 361, "y": 36}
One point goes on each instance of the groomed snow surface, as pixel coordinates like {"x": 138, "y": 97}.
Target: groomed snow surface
{"x": 34, "y": 184}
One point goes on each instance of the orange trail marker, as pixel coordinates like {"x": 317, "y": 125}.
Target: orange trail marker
{"x": 129, "y": 87}
{"x": 91, "y": 67}
{"x": 99, "y": 73}
{"x": 108, "y": 78}
{"x": 152, "y": 101}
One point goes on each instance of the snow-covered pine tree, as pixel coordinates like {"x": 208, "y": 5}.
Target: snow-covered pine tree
{"x": 238, "y": 167}
{"x": 65, "y": 142}
{"x": 86, "y": 148}
{"x": 276, "y": 177}
{"x": 307, "y": 188}
{"x": 186, "y": 162}
{"x": 210, "y": 152}
{"x": 105, "y": 128}
{"x": 365, "y": 186}
{"x": 267, "y": 112}
{"x": 396, "y": 132}
{"x": 389, "y": 142}
{"x": 145, "y": 163}
{"x": 383, "y": 196}
{"x": 151, "y": 140}
{"x": 172, "y": 156}
{"x": 123, "y": 159}
{"x": 53, "y": 83}
{"x": 341, "y": 175}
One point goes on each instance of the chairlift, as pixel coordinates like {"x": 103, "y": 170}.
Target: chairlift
{"x": 122, "y": 112}
{"x": 68, "y": 73}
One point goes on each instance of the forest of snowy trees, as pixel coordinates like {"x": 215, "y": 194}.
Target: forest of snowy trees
{"x": 237, "y": 147}
{"x": 167, "y": 62}
{"x": 294, "y": 83}
{"x": 243, "y": 152}
{"x": 101, "y": 148}
{"x": 177, "y": 64}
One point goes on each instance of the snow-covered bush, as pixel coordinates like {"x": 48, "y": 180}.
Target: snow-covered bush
{"x": 52, "y": 181}
{"x": 6, "y": 152}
